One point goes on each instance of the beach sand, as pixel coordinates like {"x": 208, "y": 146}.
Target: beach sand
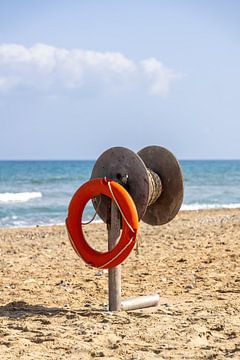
{"x": 53, "y": 306}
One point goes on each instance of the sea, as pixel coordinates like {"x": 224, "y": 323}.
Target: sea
{"x": 35, "y": 193}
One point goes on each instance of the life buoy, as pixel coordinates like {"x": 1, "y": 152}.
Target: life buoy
{"x": 127, "y": 207}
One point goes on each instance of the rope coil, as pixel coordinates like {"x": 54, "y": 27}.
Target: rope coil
{"x": 155, "y": 187}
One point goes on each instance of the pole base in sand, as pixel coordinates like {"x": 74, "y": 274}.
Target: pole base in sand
{"x": 140, "y": 302}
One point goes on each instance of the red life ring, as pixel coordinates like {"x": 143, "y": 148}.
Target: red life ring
{"x": 127, "y": 241}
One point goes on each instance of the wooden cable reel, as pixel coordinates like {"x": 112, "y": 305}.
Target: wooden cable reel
{"x": 153, "y": 178}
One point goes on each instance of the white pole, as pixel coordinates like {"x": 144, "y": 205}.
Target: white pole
{"x": 114, "y": 274}
{"x": 140, "y": 302}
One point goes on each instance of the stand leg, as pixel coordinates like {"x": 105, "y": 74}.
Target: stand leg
{"x": 114, "y": 274}
{"x": 140, "y": 302}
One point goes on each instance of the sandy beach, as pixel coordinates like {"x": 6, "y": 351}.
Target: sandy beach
{"x": 53, "y": 306}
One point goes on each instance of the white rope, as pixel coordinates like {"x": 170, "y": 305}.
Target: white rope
{"x": 124, "y": 217}
{"x": 119, "y": 208}
{"x": 138, "y": 243}
{"x": 117, "y": 255}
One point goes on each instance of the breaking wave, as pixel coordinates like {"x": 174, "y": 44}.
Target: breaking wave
{"x": 8, "y": 197}
{"x": 198, "y": 206}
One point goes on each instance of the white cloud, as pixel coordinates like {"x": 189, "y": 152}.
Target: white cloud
{"x": 45, "y": 68}
{"x": 160, "y": 77}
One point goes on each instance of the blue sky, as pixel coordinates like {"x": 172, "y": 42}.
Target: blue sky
{"x": 77, "y": 77}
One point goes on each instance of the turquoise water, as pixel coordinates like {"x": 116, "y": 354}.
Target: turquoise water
{"x": 38, "y": 192}
{"x": 211, "y": 184}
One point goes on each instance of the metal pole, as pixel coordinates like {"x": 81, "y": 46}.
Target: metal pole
{"x": 114, "y": 274}
{"x": 140, "y": 302}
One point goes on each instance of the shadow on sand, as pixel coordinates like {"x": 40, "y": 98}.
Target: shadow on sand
{"x": 20, "y": 309}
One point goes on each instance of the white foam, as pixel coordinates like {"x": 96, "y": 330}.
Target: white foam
{"x": 19, "y": 197}
{"x": 197, "y": 206}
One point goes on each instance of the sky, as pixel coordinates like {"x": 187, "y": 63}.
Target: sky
{"x": 78, "y": 77}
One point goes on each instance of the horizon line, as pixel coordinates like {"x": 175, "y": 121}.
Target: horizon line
{"x": 185, "y": 159}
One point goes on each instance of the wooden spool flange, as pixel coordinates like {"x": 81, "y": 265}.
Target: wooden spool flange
{"x": 126, "y": 167}
{"x": 153, "y": 165}
{"x": 162, "y": 162}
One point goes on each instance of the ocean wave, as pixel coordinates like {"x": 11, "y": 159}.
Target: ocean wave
{"x": 19, "y": 197}
{"x": 197, "y": 206}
